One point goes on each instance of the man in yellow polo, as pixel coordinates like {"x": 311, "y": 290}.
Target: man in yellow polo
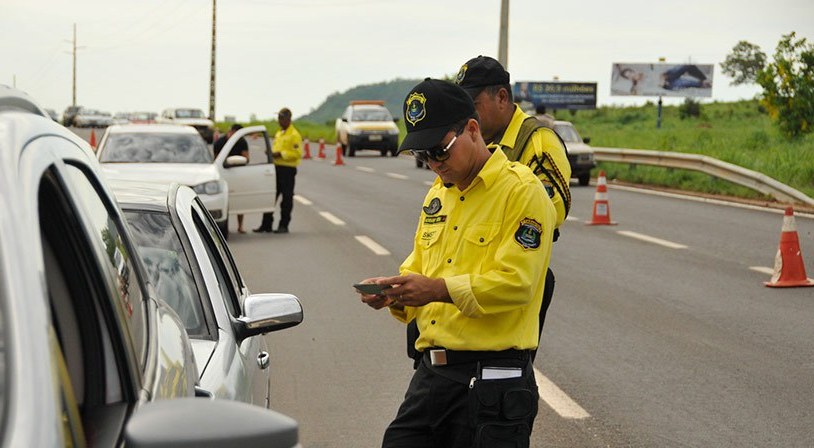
{"x": 473, "y": 281}
{"x": 286, "y": 153}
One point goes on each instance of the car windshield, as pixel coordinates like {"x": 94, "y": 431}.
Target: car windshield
{"x": 188, "y": 113}
{"x": 167, "y": 266}
{"x": 567, "y": 133}
{"x": 372, "y": 115}
{"x": 144, "y": 147}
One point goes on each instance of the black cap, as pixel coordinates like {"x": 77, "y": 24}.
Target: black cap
{"x": 481, "y": 72}
{"x": 430, "y": 111}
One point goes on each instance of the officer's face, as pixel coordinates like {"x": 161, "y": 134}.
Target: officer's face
{"x": 488, "y": 108}
{"x": 457, "y": 169}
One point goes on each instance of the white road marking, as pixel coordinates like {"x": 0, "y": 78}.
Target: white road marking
{"x": 302, "y": 200}
{"x": 651, "y": 239}
{"x": 429, "y": 182}
{"x": 372, "y": 245}
{"x": 558, "y": 400}
{"x": 762, "y": 269}
{"x": 333, "y": 219}
{"x": 396, "y": 176}
{"x": 572, "y": 218}
{"x": 365, "y": 169}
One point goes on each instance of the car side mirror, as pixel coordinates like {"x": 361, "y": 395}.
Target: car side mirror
{"x": 202, "y": 422}
{"x": 586, "y": 140}
{"x": 233, "y": 161}
{"x": 264, "y": 313}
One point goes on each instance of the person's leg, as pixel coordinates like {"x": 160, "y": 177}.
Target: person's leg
{"x": 240, "y": 224}
{"x": 288, "y": 197}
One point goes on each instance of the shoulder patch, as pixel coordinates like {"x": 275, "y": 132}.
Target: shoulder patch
{"x": 528, "y": 234}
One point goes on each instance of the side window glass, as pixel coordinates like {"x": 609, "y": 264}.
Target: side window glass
{"x": 229, "y": 282}
{"x": 168, "y": 268}
{"x": 119, "y": 258}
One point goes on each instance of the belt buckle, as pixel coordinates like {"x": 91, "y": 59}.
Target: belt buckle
{"x": 438, "y": 357}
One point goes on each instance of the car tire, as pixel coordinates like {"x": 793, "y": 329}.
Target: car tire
{"x": 383, "y": 152}
{"x": 351, "y": 150}
{"x": 584, "y": 179}
{"x": 224, "y": 228}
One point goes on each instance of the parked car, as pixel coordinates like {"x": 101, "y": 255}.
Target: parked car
{"x": 91, "y": 356}
{"x": 367, "y": 125}
{"x": 580, "y": 154}
{"x": 121, "y": 118}
{"x": 167, "y": 153}
{"x": 143, "y": 117}
{"x": 69, "y": 114}
{"x": 92, "y": 118}
{"x": 190, "y": 117}
{"x": 194, "y": 271}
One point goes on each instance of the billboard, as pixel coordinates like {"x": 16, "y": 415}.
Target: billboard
{"x": 556, "y": 95}
{"x": 661, "y": 79}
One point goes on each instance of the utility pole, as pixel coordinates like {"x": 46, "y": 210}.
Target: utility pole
{"x": 658, "y": 120}
{"x": 212, "y": 66}
{"x": 503, "y": 43}
{"x": 73, "y": 102}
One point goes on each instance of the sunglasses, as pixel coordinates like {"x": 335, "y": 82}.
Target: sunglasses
{"x": 438, "y": 154}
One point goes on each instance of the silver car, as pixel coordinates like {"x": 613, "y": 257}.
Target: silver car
{"x": 194, "y": 271}
{"x": 89, "y": 356}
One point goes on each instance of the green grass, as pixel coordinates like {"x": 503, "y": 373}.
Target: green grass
{"x": 739, "y": 133}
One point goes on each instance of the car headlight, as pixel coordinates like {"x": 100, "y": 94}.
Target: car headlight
{"x": 211, "y": 187}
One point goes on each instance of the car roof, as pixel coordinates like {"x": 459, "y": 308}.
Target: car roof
{"x": 13, "y": 99}
{"x": 152, "y": 128}
{"x": 142, "y": 195}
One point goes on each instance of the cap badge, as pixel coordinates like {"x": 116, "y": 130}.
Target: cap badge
{"x": 459, "y": 78}
{"x": 415, "y": 108}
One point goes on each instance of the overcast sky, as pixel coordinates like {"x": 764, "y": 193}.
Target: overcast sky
{"x": 152, "y": 54}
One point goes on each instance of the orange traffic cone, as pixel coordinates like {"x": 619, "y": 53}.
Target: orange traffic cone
{"x": 321, "y": 154}
{"x": 339, "y": 160}
{"x": 789, "y": 270}
{"x": 307, "y": 148}
{"x": 93, "y": 139}
{"x": 601, "y": 215}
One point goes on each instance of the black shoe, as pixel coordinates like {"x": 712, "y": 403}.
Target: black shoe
{"x": 281, "y": 230}
{"x": 260, "y": 230}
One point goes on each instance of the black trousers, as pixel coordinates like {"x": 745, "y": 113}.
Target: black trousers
{"x": 285, "y": 176}
{"x": 445, "y": 408}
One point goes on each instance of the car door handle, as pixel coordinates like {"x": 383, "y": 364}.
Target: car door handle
{"x": 263, "y": 360}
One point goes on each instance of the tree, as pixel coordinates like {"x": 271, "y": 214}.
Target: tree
{"x": 788, "y": 86}
{"x": 744, "y": 63}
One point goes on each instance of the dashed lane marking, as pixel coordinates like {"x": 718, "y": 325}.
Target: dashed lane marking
{"x": 558, "y": 400}
{"x": 429, "y": 182}
{"x": 332, "y": 219}
{"x": 372, "y": 245}
{"x": 762, "y": 269}
{"x": 365, "y": 169}
{"x": 651, "y": 239}
{"x": 302, "y": 200}
{"x": 396, "y": 176}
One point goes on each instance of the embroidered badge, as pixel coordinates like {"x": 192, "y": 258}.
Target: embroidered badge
{"x": 549, "y": 188}
{"x": 528, "y": 233}
{"x": 415, "y": 108}
{"x": 434, "y": 207}
{"x": 459, "y": 78}
{"x": 435, "y": 219}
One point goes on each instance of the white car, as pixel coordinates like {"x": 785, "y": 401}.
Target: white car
{"x": 367, "y": 125}
{"x": 91, "y": 118}
{"x": 190, "y": 117}
{"x": 580, "y": 154}
{"x": 169, "y": 153}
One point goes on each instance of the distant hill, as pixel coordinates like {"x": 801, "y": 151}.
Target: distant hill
{"x": 392, "y": 92}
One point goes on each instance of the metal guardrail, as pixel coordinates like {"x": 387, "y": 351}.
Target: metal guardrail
{"x": 709, "y": 165}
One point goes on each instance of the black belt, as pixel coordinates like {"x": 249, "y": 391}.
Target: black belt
{"x": 445, "y": 357}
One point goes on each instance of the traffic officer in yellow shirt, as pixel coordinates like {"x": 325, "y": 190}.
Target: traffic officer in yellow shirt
{"x": 286, "y": 153}
{"x": 473, "y": 281}
{"x": 522, "y": 138}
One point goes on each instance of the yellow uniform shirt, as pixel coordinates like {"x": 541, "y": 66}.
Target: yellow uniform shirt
{"x": 289, "y": 144}
{"x": 545, "y": 146}
{"x": 491, "y": 243}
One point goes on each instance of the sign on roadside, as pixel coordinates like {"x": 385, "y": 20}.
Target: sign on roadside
{"x": 684, "y": 80}
{"x": 556, "y": 95}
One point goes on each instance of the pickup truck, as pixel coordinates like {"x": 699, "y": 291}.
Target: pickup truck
{"x": 367, "y": 125}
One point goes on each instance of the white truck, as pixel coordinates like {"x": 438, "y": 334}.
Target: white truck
{"x": 367, "y": 125}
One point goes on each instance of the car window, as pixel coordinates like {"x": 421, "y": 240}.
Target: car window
{"x": 189, "y": 113}
{"x": 567, "y": 133}
{"x": 143, "y": 147}
{"x": 109, "y": 232}
{"x": 168, "y": 267}
{"x": 228, "y": 278}
{"x": 372, "y": 115}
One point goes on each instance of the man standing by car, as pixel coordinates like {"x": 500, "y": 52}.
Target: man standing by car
{"x": 286, "y": 153}
{"x": 473, "y": 282}
{"x": 521, "y": 137}
{"x": 241, "y": 148}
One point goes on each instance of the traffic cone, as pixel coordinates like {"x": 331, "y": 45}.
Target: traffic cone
{"x": 789, "y": 270}
{"x": 93, "y": 139}
{"x": 601, "y": 214}
{"x": 321, "y": 154}
{"x": 307, "y": 148}
{"x": 339, "y": 160}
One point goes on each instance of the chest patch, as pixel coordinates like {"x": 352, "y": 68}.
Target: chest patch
{"x": 435, "y": 219}
{"x": 528, "y": 233}
{"x": 434, "y": 207}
